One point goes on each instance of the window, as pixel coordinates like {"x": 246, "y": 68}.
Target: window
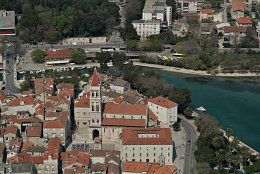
{"x": 147, "y": 154}
{"x": 93, "y": 94}
{"x": 113, "y": 130}
{"x": 153, "y": 154}
{"x": 126, "y": 154}
{"x": 153, "y": 160}
{"x": 93, "y": 121}
{"x": 133, "y": 154}
{"x": 147, "y": 160}
{"x": 168, "y": 154}
{"x": 140, "y": 154}
{"x": 133, "y": 148}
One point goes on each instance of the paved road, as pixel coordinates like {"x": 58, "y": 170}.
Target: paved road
{"x": 191, "y": 136}
{"x": 10, "y": 87}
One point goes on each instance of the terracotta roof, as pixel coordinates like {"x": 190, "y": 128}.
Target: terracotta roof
{"x": 163, "y": 136}
{"x": 123, "y": 122}
{"x": 3, "y": 97}
{"x": 157, "y": 169}
{"x": 104, "y": 153}
{"x": 46, "y": 81}
{"x": 28, "y": 100}
{"x": 113, "y": 169}
{"x": 66, "y": 93}
{"x": 26, "y": 144}
{"x": 54, "y": 153}
{"x": 151, "y": 115}
{"x": 57, "y": 123}
{"x": 161, "y": 101}
{"x": 127, "y": 109}
{"x": 238, "y": 5}
{"x": 98, "y": 167}
{"x": 11, "y": 129}
{"x": 95, "y": 80}
{"x": 207, "y": 11}
{"x": 72, "y": 157}
{"x": 37, "y": 159}
{"x": 234, "y": 29}
{"x": 65, "y": 86}
{"x": 34, "y": 131}
{"x": 54, "y": 143}
{"x": 244, "y": 20}
{"x": 59, "y": 53}
{"x": 118, "y": 100}
{"x": 149, "y": 168}
{"x": 82, "y": 102}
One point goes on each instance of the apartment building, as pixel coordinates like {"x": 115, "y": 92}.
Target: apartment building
{"x": 7, "y": 23}
{"x": 155, "y": 17}
{"x": 238, "y": 9}
{"x": 189, "y": 6}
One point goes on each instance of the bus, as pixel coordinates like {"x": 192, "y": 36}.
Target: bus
{"x": 107, "y": 49}
{"x": 177, "y": 56}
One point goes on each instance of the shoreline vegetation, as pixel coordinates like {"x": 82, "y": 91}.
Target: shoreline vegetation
{"x": 196, "y": 72}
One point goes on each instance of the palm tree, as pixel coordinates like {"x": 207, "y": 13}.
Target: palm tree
{"x": 229, "y": 132}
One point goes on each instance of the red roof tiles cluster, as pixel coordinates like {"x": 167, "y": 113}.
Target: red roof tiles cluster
{"x": 74, "y": 157}
{"x": 162, "y": 136}
{"x": 207, "y": 11}
{"x": 127, "y": 109}
{"x": 148, "y": 168}
{"x": 244, "y": 20}
{"x": 161, "y": 101}
{"x": 60, "y": 122}
{"x": 21, "y": 101}
{"x": 66, "y": 53}
{"x": 123, "y": 122}
{"x": 34, "y": 131}
{"x": 238, "y": 5}
{"x": 235, "y": 29}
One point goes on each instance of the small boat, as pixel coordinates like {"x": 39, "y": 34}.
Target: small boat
{"x": 201, "y": 109}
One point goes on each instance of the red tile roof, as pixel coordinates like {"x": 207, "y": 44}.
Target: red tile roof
{"x": 28, "y": 100}
{"x": 95, "y": 80}
{"x": 207, "y": 11}
{"x": 34, "y": 131}
{"x": 54, "y": 143}
{"x": 149, "y": 168}
{"x": 118, "y": 100}
{"x": 234, "y": 29}
{"x": 127, "y": 109}
{"x": 163, "y": 136}
{"x": 151, "y": 115}
{"x": 11, "y": 129}
{"x": 82, "y": 102}
{"x": 103, "y": 153}
{"x": 26, "y": 144}
{"x": 65, "y": 86}
{"x": 59, "y": 53}
{"x": 161, "y": 101}
{"x": 57, "y": 123}
{"x": 3, "y": 97}
{"x": 72, "y": 157}
{"x": 244, "y": 20}
{"x": 238, "y": 5}
{"x": 46, "y": 80}
{"x": 66, "y": 93}
{"x": 123, "y": 122}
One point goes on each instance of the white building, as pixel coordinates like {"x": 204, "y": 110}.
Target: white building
{"x": 190, "y": 6}
{"x": 7, "y": 23}
{"x": 147, "y": 28}
{"x": 147, "y": 145}
{"x": 164, "y": 109}
{"x": 156, "y": 16}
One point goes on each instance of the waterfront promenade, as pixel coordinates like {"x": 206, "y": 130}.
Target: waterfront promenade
{"x": 194, "y": 72}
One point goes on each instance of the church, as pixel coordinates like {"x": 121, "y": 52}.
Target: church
{"x": 99, "y": 121}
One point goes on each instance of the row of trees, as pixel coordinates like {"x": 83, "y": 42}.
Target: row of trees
{"x": 216, "y": 150}
{"x": 50, "y": 21}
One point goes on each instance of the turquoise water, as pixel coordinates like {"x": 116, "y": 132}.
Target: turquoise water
{"x": 235, "y": 103}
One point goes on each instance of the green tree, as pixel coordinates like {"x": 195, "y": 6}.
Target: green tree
{"x": 202, "y": 168}
{"x": 52, "y": 35}
{"x": 24, "y": 86}
{"x": 78, "y": 56}
{"x": 177, "y": 126}
{"x": 61, "y": 23}
{"x": 218, "y": 142}
{"x": 132, "y": 45}
{"x": 119, "y": 59}
{"x": 103, "y": 58}
{"x": 38, "y": 56}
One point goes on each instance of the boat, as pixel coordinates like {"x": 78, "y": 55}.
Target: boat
{"x": 201, "y": 109}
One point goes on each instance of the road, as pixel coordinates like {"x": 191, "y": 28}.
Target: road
{"x": 191, "y": 136}
{"x": 10, "y": 87}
